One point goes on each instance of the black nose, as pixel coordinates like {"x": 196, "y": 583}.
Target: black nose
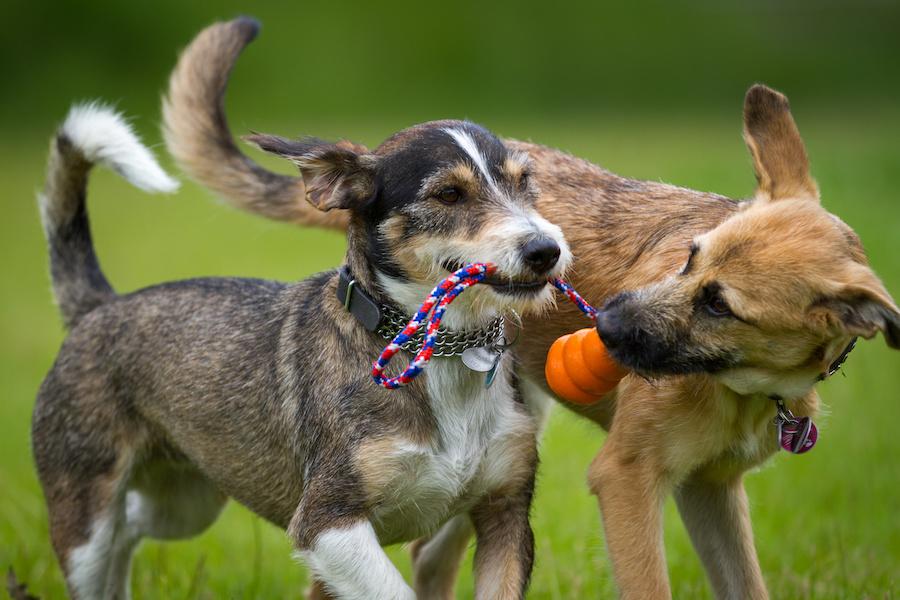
{"x": 541, "y": 254}
{"x": 609, "y": 326}
{"x": 612, "y": 323}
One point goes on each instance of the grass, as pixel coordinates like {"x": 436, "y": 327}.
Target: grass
{"x": 826, "y": 523}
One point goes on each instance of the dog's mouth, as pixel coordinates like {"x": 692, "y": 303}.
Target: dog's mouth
{"x": 652, "y": 360}
{"x": 505, "y": 285}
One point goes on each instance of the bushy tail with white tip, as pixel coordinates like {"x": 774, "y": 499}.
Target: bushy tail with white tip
{"x": 91, "y": 134}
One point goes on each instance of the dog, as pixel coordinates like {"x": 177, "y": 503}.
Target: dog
{"x": 164, "y": 402}
{"x": 728, "y": 313}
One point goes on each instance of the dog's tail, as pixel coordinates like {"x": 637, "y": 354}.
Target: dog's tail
{"x": 91, "y": 134}
{"x": 197, "y": 134}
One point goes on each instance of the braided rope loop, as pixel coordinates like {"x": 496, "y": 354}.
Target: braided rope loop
{"x": 434, "y": 305}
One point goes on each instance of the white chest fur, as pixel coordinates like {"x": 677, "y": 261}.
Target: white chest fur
{"x": 477, "y": 446}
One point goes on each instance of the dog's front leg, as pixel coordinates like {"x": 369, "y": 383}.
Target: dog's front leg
{"x": 436, "y": 560}
{"x": 350, "y": 564}
{"x": 631, "y": 489}
{"x": 343, "y": 552}
{"x": 717, "y": 518}
{"x": 504, "y": 551}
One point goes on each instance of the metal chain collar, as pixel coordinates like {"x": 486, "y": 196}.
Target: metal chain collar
{"x": 449, "y": 342}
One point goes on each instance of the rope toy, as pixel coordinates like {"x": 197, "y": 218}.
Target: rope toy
{"x": 578, "y": 367}
{"x": 438, "y": 300}
{"x": 589, "y": 311}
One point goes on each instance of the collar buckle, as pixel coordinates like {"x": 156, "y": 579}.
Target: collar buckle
{"x": 356, "y": 301}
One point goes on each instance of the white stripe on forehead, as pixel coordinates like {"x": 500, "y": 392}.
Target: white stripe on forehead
{"x": 470, "y": 147}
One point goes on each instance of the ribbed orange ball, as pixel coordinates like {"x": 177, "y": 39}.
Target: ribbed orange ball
{"x": 579, "y": 369}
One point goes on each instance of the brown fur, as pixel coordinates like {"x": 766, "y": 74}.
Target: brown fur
{"x": 797, "y": 281}
{"x": 786, "y": 263}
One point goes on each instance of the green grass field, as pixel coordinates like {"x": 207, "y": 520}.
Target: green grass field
{"x": 827, "y": 523}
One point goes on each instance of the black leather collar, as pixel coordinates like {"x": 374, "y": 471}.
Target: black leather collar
{"x": 357, "y": 301}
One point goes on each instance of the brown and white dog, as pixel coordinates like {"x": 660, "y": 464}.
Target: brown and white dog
{"x": 166, "y": 401}
{"x": 722, "y": 308}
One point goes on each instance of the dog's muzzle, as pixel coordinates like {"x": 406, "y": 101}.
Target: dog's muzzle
{"x": 539, "y": 256}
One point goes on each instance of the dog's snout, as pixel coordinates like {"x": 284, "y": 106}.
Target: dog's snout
{"x": 612, "y": 322}
{"x": 541, "y": 254}
{"x": 610, "y": 327}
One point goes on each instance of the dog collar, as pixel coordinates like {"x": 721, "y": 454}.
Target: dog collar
{"x": 839, "y": 361}
{"x": 387, "y": 319}
{"x": 799, "y": 434}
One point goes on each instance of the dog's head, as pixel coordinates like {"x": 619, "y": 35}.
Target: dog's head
{"x": 768, "y": 300}
{"x": 430, "y": 199}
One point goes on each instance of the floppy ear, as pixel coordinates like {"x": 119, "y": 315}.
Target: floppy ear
{"x": 340, "y": 175}
{"x": 864, "y": 309}
{"x": 779, "y": 157}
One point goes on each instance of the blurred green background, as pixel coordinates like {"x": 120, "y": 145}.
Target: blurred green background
{"x": 647, "y": 89}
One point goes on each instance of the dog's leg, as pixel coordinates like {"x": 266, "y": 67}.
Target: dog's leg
{"x": 177, "y": 503}
{"x": 631, "y": 491}
{"x": 84, "y": 451}
{"x": 436, "y": 560}
{"x": 334, "y": 537}
{"x": 504, "y": 551}
{"x": 101, "y": 566}
{"x": 351, "y": 564}
{"x": 717, "y": 518}
{"x": 90, "y": 532}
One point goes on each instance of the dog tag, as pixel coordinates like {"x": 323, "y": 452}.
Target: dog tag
{"x": 484, "y": 359}
{"x": 796, "y": 435}
{"x": 481, "y": 359}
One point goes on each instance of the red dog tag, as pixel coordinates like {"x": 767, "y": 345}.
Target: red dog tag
{"x": 797, "y": 435}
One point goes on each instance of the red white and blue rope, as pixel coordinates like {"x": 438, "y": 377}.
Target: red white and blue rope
{"x": 435, "y": 305}
{"x": 438, "y": 300}
{"x": 575, "y": 297}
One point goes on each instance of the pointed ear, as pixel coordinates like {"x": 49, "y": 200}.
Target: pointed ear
{"x": 863, "y": 309}
{"x": 340, "y": 175}
{"x": 779, "y": 157}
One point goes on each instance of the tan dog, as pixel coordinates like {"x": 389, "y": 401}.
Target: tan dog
{"x": 724, "y": 308}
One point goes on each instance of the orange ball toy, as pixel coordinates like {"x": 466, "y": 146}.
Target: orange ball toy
{"x": 579, "y": 369}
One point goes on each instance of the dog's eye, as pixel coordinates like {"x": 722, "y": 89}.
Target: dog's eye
{"x": 716, "y": 306}
{"x": 449, "y": 195}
